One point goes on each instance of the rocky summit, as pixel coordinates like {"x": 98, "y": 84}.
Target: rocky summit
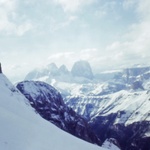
{"x": 82, "y": 69}
{"x": 81, "y": 72}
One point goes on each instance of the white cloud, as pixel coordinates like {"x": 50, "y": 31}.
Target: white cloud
{"x": 100, "y": 13}
{"x": 5, "y": 25}
{"x": 134, "y": 48}
{"x": 100, "y": 59}
{"x": 57, "y": 25}
{"x": 129, "y": 3}
{"x": 72, "y": 5}
{"x": 94, "y": 56}
{"x": 143, "y": 9}
{"x": 6, "y": 8}
{"x": 8, "y": 5}
{"x": 23, "y": 28}
{"x": 8, "y": 18}
{"x": 66, "y": 58}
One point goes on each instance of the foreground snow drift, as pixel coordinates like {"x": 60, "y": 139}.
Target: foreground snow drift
{"x": 22, "y": 129}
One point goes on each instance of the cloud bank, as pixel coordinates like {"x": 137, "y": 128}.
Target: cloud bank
{"x": 109, "y": 34}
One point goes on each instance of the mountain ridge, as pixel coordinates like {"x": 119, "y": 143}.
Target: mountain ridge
{"x": 115, "y": 103}
{"x": 48, "y": 102}
{"x": 22, "y": 128}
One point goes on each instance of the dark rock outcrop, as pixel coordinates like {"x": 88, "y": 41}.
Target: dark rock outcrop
{"x": 49, "y": 104}
{"x": 131, "y": 74}
{"x": 128, "y": 137}
{"x": 137, "y": 85}
{"x": 0, "y": 68}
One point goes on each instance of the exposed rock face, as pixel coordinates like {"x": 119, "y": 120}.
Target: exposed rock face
{"x": 130, "y": 137}
{"x": 82, "y": 69}
{"x": 52, "y": 69}
{"x": 136, "y": 71}
{"x": 116, "y": 108}
{"x": 131, "y": 74}
{"x": 63, "y": 70}
{"x": 0, "y": 68}
{"x": 49, "y": 104}
{"x": 80, "y": 73}
{"x": 137, "y": 85}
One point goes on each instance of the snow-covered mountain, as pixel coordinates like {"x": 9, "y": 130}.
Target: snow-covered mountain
{"x": 52, "y": 73}
{"x": 23, "y": 129}
{"x": 115, "y": 103}
{"x": 118, "y": 108}
{"x": 48, "y": 102}
{"x": 124, "y": 116}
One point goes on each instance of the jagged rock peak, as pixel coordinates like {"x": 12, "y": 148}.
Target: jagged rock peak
{"x": 63, "y": 69}
{"x": 52, "y": 66}
{"x": 0, "y": 68}
{"x": 52, "y": 69}
{"x": 82, "y": 69}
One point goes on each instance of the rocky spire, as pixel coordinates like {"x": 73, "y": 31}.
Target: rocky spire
{"x": 82, "y": 68}
{"x": 0, "y": 68}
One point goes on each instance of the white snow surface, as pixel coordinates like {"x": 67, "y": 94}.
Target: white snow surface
{"x": 134, "y": 104}
{"x": 109, "y": 145}
{"x": 130, "y": 105}
{"x": 22, "y": 129}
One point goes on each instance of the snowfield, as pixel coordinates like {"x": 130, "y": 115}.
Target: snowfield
{"x": 22, "y": 129}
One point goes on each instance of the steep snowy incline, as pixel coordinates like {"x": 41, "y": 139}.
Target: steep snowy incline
{"x": 48, "y": 102}
{"x": 22, "y": 129}
{"x": 130, "y": 107}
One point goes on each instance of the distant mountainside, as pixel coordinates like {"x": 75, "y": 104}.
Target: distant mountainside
{"x": 81, "y": 73}
{"x": 115, "y": 102}
{"x": 82, "y": 69}
{"x": 119, "y": 107}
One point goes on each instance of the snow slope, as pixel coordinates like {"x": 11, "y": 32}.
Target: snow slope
{"x": 22, "y": 129}
{"x": 48, "y": 102}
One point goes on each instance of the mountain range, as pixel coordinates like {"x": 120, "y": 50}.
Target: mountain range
{"x": 115, "y": 103}
{"x": 22, "y": 128}
{"x": 48, "y": 102}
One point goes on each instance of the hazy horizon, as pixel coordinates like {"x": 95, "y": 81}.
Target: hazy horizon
{"x": 109, "y": 34}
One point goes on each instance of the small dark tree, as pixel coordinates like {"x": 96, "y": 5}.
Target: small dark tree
{"x": 0, "y": 68}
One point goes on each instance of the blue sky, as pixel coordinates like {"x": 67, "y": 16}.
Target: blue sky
{"x": 37, "y": 32}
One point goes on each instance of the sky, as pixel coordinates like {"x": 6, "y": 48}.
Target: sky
{"x": 110, "y": 34}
